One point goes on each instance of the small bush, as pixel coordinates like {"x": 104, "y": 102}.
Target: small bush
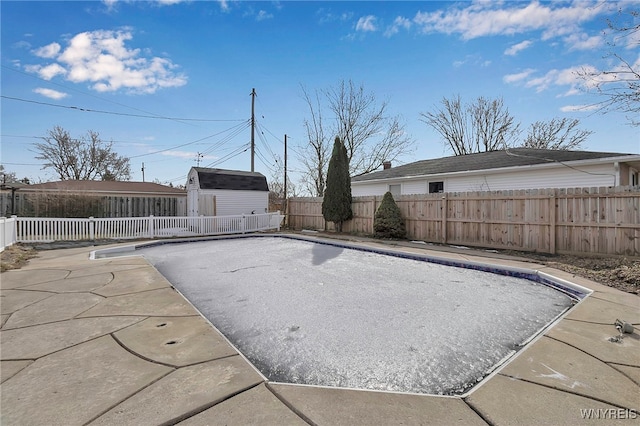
{"x": 388, "y": 222}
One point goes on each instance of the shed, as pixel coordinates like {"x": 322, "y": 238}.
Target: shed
{"x": 219, "y": 192}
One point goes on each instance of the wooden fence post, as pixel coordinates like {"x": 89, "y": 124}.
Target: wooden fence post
{"x": 552, "y": 223}
{"x": 445, "y": 213}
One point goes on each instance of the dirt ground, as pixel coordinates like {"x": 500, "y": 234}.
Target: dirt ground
{"x": 618, "y": 272}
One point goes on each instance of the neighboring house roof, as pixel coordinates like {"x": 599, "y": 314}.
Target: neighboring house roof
{"x": 99, "y": 187}
{"x": 492, "y": 160}
{"x": 231, "y": 179}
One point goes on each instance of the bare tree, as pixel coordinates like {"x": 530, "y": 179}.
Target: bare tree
{"x": 620, "y": 85}
{"x": 369, "y": 134}
{"x": 314, "y": 156}
{"x": 485, "y": 125}
{"x": 87, "y": 158}
{"x": 558, "y": 134}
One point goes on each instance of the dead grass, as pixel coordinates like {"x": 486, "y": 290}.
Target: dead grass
{"x": 16, "y": 256}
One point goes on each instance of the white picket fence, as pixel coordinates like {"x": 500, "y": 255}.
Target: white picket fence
{"x": 31, "y": 230}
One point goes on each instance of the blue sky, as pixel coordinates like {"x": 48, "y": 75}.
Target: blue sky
{"x": 167, "y": 80}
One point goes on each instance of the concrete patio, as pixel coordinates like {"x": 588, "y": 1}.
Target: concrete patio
{"x": 110, "y": 342}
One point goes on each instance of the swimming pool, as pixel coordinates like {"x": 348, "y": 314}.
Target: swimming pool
{"x": 318, "y": 313}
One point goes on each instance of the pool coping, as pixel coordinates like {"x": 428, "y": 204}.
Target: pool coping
{"x": 512, "y": 394}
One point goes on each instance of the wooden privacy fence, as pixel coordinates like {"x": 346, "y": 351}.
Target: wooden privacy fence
{"x": 40, "y": 204}
{"x": 570, "y": 221}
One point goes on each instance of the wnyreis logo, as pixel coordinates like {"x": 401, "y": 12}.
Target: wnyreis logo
{"x": 608, "y": 413}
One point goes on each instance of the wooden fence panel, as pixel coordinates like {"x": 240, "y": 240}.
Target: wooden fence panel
{"x": 35, "y": 204}
{"x": 573, "y": 220}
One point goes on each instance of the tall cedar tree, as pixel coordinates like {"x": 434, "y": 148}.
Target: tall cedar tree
{"x": 336, "y": 204}
{"x": 388, "y": 222}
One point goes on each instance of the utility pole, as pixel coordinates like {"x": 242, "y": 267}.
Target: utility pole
{"x": 143, "y": 172}
{"x": 253, "y": 128}
{"x": 285, "y": 168}
{"x": 199, "y": 155}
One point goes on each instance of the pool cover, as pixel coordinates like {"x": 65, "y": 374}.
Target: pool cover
{"x": 319, "y": 314}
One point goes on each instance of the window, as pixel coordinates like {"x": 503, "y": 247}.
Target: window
{"x": 435, "y": 187}
{"x": 395, "y": 190}
{"x": 633, "y": 179}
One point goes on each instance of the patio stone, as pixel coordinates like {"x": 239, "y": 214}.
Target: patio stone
{"x": 602, "y": 311}
{"x": 95, "y": 268}
{"x": 632, "y": 372}
{"x": 265, "y": 410}
{"x": 75, "y": 285}
{"x": 594, "y": 340}
{"x": 161, "y": 302}
{"x": 183, "y": 392}
{"x": 507, "y": 401}
{"x": 39, "y": 340}
{"x": 75, "y": 385}
{"x": 558, "y": 365}
{"x": 22, "y": 278}
{"x": 177, "y": 341}
{"x": 58, "y": 307}
{"x": 134, "y": 281}
{"x": 352, "y": 407}
{"x": 9, "y": 369}
{"x": 14, "y": 300}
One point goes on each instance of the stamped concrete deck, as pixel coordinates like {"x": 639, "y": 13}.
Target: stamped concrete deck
{"x": 110, "y": 342}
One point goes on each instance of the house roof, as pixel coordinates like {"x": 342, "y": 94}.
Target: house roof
{"x": 492, "y": 160}
{"x": 231, "y": 179}
{"x": 102, "y": 187}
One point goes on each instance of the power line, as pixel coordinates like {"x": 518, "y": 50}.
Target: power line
{"x": 75, "y": 108}
{"x": 80, "y": 91}
{"x": 184, "y": 144}
{"x": 241, "y": 149}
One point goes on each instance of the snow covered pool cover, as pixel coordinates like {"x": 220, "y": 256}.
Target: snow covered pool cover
{"x": 319, "y": 314}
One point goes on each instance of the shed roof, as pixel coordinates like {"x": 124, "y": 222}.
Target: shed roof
{"x": 492, "y": 160}
{"x": 101, "y": 187}
{"x": 231, "y": 179}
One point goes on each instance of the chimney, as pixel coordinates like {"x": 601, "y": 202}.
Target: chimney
{"x": 386, "y": 165}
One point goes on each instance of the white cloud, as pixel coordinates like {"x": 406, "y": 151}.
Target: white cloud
{"x": 48, "y": 51}
{"x": 367, "y": 24}
{"x": 486, "y": 18}
{"x": 188, "y": 155}
{"x": 326, "y": 16}
{"x": 262, "y": 15}
{"x": 516, "y": 48}
{"x": 582, "y": 41}
{"x": 103, "y": 59}
{"x": 224, "y": 5}
{"x": 474, "y": 60}
{"x": 514, "y": 78}
{"x": 111, "y": 4}
{"x": 50, "y": 71}
{"x": 49, "y": 93}
{"x": 579, "y": 108}
{"x": 398, "y": 24}
{"x": 569, "y": 78}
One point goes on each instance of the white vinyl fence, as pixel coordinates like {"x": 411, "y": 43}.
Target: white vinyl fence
{"x": 30, "y": 230}
{"x": 8, "y": 231}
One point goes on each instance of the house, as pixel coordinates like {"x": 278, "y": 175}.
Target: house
{"x": 514, "y": 168}
{"x": 83, "y": 198}
{"x": 218, "y": 192}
